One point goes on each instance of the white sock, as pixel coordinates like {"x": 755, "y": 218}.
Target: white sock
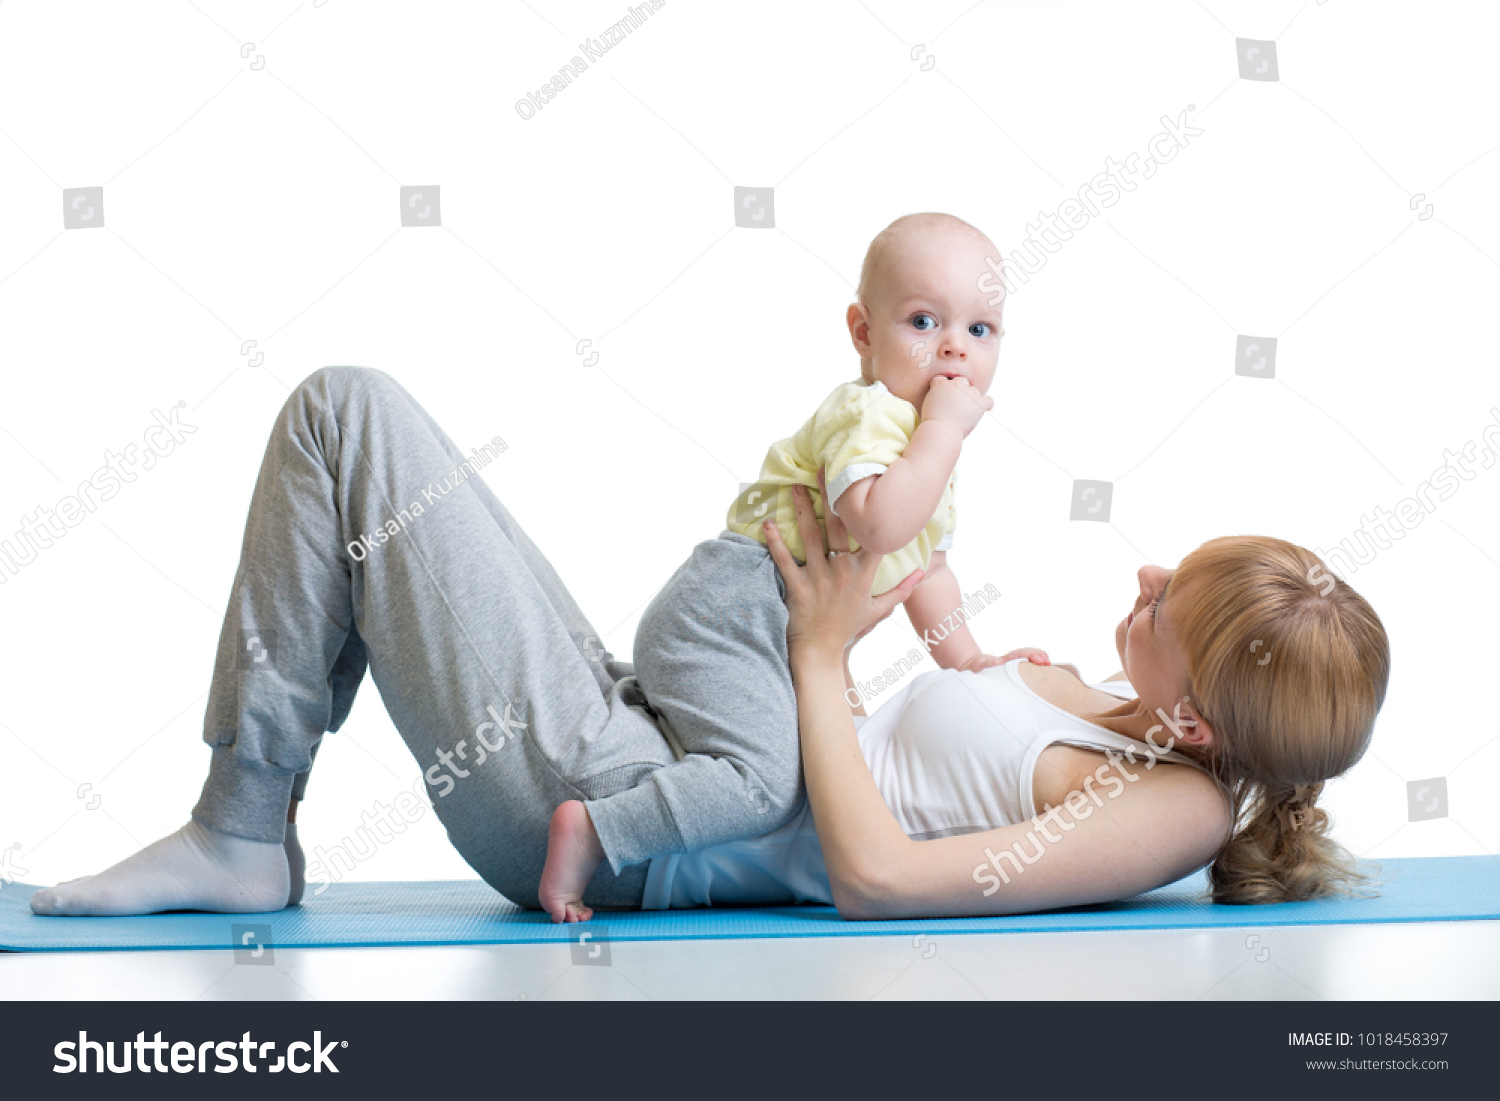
{"x": 196, "y": 868}
{"x": 296, "y": 864}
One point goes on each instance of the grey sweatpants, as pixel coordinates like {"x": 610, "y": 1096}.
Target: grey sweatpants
{"x": 710, "y": 656}
{"x": 490, "y": 672}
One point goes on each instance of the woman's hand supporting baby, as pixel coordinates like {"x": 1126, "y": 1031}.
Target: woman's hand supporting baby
{"x": 829, "y": 606}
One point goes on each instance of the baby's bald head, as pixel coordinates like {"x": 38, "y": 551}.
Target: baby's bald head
{"x": 908, "y": 234}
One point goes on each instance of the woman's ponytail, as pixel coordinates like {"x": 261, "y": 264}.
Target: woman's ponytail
{"x": 1283, "y": 851}
{"x": 1288, "y": 665}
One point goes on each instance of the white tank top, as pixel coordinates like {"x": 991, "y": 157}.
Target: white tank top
{"x": 951, "y": 753}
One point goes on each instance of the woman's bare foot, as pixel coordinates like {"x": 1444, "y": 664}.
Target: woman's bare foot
{"x": 573, "y": 855}
{"x": 195, "y": 868}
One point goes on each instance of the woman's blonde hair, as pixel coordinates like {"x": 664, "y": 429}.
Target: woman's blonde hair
{"x": 1288, "y": 665}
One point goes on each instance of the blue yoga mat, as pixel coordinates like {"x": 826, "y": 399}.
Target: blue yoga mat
{"x": 461, "y": 911}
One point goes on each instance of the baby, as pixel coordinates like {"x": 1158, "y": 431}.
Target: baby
{"x": 927, "y": 340}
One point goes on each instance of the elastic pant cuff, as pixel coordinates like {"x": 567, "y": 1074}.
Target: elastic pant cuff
{"x": 634, "y": 825}
{"x": 244, "y": 797}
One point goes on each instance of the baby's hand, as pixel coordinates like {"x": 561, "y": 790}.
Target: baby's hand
{"x": 1030, "y": 653}
{"x": 985, "y": 661}
{"x": 954, "y": 400}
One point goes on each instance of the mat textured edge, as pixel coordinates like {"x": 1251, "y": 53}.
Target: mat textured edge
{"x": 449, "y": 912}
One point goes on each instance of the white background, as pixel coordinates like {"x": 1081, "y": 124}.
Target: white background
{"x": 256, "y": 198}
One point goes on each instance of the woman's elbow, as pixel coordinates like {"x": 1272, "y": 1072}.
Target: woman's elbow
{"x": 853, "y": 906}
{"x": 862, "y": 893}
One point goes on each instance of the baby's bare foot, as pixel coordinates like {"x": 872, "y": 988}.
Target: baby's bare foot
{"x": 573, "y": 855}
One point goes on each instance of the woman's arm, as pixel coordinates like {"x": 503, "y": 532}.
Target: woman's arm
{"x": 850, "y": 686}
{"x": 1148, "y": 831}
{"x": 860, "y": 839}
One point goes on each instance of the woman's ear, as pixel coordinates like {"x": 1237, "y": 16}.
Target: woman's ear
{"x": 1194, "y": 727}
{"x": 1185, "y": 725}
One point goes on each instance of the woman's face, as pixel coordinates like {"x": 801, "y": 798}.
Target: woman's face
{"x": 1149, "y": 652}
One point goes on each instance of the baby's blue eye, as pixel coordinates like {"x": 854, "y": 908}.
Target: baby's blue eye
{"x": 919, "y": 317}
{"x": 980, "y": 325}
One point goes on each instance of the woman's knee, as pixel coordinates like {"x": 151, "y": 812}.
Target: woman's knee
{"x": 346, "y": 394}
{"x": 341, "y": 382}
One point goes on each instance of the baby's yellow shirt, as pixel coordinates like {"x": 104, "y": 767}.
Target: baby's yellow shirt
{"x": 859, "y": 430}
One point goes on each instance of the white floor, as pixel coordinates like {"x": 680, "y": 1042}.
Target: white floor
{"x": 1442, "y": 961}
